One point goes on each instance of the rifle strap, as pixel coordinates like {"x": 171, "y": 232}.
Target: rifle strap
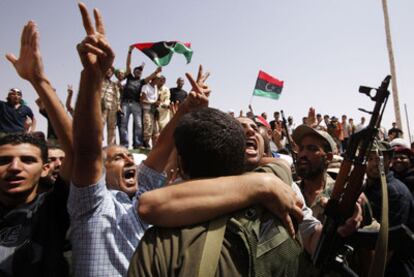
{"x": 381, "y": 247}
{"x": 212, "y": 247}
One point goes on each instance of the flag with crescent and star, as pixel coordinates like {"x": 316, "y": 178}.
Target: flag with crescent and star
{"x": 161, "y": 52}
{"x": 268, "y": 86}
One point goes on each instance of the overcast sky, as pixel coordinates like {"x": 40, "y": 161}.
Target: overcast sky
{"x": 323, "y": 50}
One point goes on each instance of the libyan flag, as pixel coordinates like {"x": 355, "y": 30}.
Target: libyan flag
{"x": 267, "y": 86}
{"x": 161, "y": 52}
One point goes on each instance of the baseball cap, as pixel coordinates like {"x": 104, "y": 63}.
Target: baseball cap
{"x": 404, "y": 150}
{"x": 303, "y": 130}
{"x": 261, "y": 121}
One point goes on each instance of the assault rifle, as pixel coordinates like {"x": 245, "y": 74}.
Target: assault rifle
{"x": 289, "y": 144}
{"x": 349, "y": 182}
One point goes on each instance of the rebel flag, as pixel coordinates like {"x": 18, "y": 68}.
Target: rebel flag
{"x": 267, "y": 86}
{"x": 161, "y": 52}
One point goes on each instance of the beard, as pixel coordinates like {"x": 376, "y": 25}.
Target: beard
{"x": 311, "y": 171}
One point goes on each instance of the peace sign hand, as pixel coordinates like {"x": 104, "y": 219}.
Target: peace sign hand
{"x": 94, "y": 51}
{"x": 198, "y": 96}
{"x": 201, "y": 80}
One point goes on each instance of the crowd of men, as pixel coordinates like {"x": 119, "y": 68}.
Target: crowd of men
{"x": 71, "y": 207}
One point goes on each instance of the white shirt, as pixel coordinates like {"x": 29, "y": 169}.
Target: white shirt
{"x": 150, "y": 95}
{"x": 359, "y": 127}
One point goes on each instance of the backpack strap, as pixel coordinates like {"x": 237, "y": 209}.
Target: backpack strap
{"x": 212, "y": 247}
{"x": 381, "y": 247}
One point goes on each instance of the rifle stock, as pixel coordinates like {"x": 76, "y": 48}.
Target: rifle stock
{"x": 349, "y": 183}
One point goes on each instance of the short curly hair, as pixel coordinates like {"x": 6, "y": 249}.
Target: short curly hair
{"x": 210, "y": 143}
{"x": 16, "y": 139}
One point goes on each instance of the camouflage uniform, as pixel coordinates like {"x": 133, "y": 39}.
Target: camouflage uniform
{"x": 316, "y": 206}
{"x": 255, "y": 244}
{"x": 164, "y": 114}
{"x": 110, "y": 103}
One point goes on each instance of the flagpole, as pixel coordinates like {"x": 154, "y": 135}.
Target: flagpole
{"x": 251, "y": 97}
{"x": 392, "y": 65}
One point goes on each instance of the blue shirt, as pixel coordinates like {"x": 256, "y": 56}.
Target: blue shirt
{"x": 105, "y": 226}
{"x": 400, "y": 201}
{"x": 11, "y": 119}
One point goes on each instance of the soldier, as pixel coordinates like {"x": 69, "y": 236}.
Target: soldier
{"x": 316, "y": 150}
{"x": 163, "y": 103}
{"x": 110, "y": 105}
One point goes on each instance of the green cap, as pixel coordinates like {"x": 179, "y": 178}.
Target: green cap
{"x": 303, "y": 130}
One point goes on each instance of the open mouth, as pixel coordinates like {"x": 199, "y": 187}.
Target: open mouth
{"x": 251, "y": 146}
{"x": 130, "y": 176}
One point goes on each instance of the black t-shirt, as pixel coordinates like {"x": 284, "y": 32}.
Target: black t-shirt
{"x": 32, "y": 237}
{"x": 400, "y": 201}
{"x": 397, "y": 131}
{"x": 177, "y": 95}
{"x": 132, "y": 89}
{"x": 50, "y": 131}
{"x": 11, "y": 119}
{"x": 273, "y": 124}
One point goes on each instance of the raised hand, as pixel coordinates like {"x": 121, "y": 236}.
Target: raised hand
{"x": 27, "y": 124}
{"x": 94, "y": 51}
{"x": 352, "y": 224}
{"x": 198, "y": 96}
{"x": 29, "y": 65}
{"x": 201, "y": 80}
{"x": 174, "y": 107}
{"x": 201, "y": 76}
{"x": 311, "y": 119}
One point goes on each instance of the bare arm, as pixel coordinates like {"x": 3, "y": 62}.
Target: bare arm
{"x": 33, "y": 125}
{"x": 196, "y": 201}
{"x": 128, "y": 69}
{"x": 251, "y": 109}
{"x": 153, "y": 75}
{"x": 68, "y": 102}
{"x": 29, "y": 66}
{"x": 158, "y": 157}
{"x": 96, "y": 56}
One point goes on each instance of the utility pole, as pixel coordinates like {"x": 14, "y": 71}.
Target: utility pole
{"x": 392, "y": 66}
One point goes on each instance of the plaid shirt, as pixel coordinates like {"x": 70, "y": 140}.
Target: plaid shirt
{"x": 105, "y": 227}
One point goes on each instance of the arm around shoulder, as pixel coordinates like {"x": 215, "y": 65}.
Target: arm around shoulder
{"x": 196, "y": 201}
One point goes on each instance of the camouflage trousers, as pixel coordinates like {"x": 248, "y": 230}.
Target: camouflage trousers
{"x": 109, "y": 117}
{"x": 164, "y": 117}
{"x": 150, "y": 126}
